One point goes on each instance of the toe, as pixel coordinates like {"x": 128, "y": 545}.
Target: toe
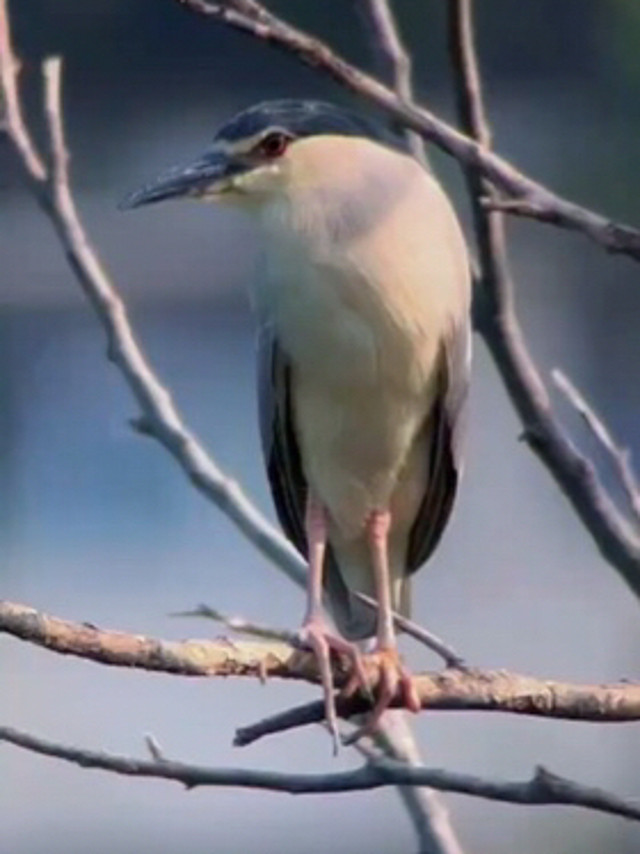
{"x": 410, "y": 694}
{"x": 320, "y": 647}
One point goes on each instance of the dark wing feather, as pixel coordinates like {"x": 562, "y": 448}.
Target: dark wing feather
{"x": 443, "y": 431}
{"x": 279, "y": 443}
{"x": 288, "y": 484}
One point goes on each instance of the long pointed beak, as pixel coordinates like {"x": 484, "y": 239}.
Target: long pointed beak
{"x": 210, "y": 175}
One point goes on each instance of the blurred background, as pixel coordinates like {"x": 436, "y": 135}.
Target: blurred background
{"x": 98, "y": 524}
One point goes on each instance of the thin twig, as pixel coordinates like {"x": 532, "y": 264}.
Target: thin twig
{"x": 620, "y": 457}
{"x": 450, "y": 657}
{"x": 543, "y": 788}
{"x": 251, "y": 17}
{"x": 242, "y": 626}
{"x": 394, "y": 61}
{"x": 155, "y": 751}
{"x": 259, "y": 630}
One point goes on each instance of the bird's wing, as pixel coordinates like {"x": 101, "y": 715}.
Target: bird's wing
{"x": 279, "y": 443}
{"x": 443, "y": 429}
{"x": 288, "y": 483}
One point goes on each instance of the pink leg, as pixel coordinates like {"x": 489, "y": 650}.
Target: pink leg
{"x": 378, "y": 530}
{"x": 316, "y": 531}
{"x": 314, "y": 630}
{"x": 391, "y": 672}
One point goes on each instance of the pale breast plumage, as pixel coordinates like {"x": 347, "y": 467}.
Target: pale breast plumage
{"x": 364, "y": 329}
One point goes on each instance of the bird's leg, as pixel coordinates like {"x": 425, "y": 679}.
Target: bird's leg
{"x": 392, "y": 674}
{"x": 315, "y": 630}
{"x": 378, "y": 531}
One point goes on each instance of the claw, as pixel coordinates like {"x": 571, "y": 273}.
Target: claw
{"x": 392, "y": 676}
{"x": 316, "y": 635}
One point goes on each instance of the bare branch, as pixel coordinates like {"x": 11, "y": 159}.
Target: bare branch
{"x": 620, "y": 457}
{"x": 221, "y": 657}
{"x": 242, "y": 626}
{"x": 394, "y": 61}
{"x": 429, "y": 815}
{"x": 542, "y": 789}
{"x": 450, "y": 657}
{"x": 252, "y": 17}
{"x": 471, "y": 689}
{"x": 160, "y": 419}
{"x": 498, "y": 324}
{"x": 155, "y": 751}
{"x": 431, "y": 818}
{"x": 247, "y": 627}
{"x": 478, "y": 690}
{"x": 11, "y": 120}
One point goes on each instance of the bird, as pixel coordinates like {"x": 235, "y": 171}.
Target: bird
{"x": 364, "y": 353}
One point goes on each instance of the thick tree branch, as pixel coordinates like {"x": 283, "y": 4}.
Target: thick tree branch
{"x": 535, "y": 199}
{"x": 472, "y": 689}
{"x": 542, "y": 789}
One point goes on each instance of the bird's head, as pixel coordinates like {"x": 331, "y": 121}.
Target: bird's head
{"x": 257, "y": 155}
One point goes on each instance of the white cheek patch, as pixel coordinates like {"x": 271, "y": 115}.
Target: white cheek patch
{"x": 261, "y": 179}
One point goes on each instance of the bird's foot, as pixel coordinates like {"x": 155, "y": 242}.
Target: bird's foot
{"x": 386, "y": 677}
{"x": 316, "y": 634}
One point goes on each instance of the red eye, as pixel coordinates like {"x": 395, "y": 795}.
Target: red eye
{"x": 274, "y": 144}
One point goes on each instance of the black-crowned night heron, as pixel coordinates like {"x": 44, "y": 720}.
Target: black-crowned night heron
{"x": 363, "y": 310}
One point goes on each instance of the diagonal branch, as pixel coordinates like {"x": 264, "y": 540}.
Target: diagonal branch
{"x": 543, "y": 788}
{"x": 160, "y": 417}
{"x": 620, "y": 457}
{"x": 242, "y": 626}
{"x": 541, "y": 203}
{"x": 394, "y": 61}
{"x": 498, "y": 324}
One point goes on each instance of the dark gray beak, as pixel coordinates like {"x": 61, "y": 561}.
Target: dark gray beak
{"x": 210, "y": 175}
